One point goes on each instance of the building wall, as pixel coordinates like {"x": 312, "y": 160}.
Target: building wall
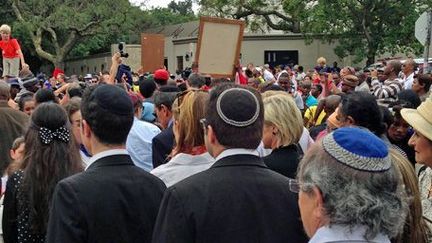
{"x": 101, "y": 62}
{"x": 253, "y": 51}
{"x": 134, "y": 59}
{"x": 90, "y": 64}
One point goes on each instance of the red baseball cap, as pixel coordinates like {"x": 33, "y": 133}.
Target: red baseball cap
{"x": 161, "y": 74}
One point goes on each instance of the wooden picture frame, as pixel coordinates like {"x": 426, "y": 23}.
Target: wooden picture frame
{"x": 218, "y": 48}
{"x": 152, "y": 52}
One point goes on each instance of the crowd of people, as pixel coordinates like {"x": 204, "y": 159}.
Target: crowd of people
{"x": 273, "y": 154}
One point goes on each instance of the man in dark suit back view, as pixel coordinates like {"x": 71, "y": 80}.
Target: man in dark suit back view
{"x": 163, "y": 143}
{"x": 12, "y": 125}
{"x": 112, "y": 200}
{"x": 238, "y": 199}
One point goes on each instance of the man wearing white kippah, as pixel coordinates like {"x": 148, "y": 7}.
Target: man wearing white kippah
{"x": 238, "y": 199}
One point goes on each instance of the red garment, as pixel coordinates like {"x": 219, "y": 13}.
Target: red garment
{"x": 198, "y": 150}
{"x": 10, "y": 48}
{"x": 56, "y": 72}
{"x": 243, "y": 80}
{"x": 205, "y": 88}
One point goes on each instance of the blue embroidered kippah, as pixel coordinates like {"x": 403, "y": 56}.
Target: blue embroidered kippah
{"x": 358, "y": 149}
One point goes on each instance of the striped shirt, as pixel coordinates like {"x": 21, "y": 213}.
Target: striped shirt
{"x": 387, "y": 91}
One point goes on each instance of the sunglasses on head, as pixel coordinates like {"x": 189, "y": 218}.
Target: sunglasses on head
{"x": 180, "y": 96}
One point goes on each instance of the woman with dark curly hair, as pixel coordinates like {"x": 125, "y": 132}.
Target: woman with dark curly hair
{"x": 50, "y": 155}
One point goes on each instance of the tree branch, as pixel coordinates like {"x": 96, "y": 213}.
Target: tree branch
{"x": 272, "y": 12}
{"x": 85, "y": 28}
{"x": 16, "y": 10}
{"x": 37, "y": 42}
{"x": 68, "y": 45}
{"x": 54, "y": 36}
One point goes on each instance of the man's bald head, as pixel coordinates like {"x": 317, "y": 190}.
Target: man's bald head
{"x": 331, "y": 103}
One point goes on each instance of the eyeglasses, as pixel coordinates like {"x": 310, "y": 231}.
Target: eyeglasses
{"x": 295, "y": 185}
{"x": 180, "y": 96}
{"x": 204, "y": 123}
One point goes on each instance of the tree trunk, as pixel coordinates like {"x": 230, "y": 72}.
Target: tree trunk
{"x": 371, "y": 52}
{"x": 59, "y": 63}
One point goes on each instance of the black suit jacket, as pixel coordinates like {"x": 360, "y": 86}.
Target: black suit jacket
{"x": 237, "y": 200}
{"x": 112, "y": 201}
{"x": 162, "y": 144}
{"x": 284, "y": 160}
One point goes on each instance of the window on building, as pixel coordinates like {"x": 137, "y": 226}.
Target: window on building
{"x": 166, "y": 63}
{"x": 274, "y": 58}
{"x": 180, "y": 63}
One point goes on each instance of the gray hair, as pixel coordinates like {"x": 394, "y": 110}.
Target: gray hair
{"x": 352, "y": 197}
{"x": 4, "y": 90}
{"x": 196, "y": 81}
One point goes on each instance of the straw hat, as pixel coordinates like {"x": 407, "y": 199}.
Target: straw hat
{"x": 421, "y": 118}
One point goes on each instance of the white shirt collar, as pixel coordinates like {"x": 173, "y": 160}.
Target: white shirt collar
{"x": 339, "y": 233}
{"x": 236, "y": 151}
{"x": 104, "y": 154}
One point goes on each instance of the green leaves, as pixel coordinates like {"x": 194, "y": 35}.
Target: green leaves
{"x": 363, "y": 28}
{"x": 60, "y": 28}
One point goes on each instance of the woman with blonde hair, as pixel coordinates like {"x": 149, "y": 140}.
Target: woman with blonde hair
{"x": 189, "y": 156}
{"x": 283, "y": 128}
{"x": 415, "y": 228}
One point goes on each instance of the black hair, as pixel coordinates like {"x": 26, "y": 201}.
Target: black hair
{"x": 147, "y": 87}
{"x": 272, "y": 87}
{"x": 318, "y": 87}
{"x": 75, "y": 92}
{"x": 46, "y": 164}
{"x": 249, "y": 73}
{"x": 196, "y": 81}
{"x": 182, "y": 87}
{"x": 169, "y": 88}
{"x": 300, "y": 69}
{"x": 161, "y": 82}
{"x": 45, "y": 95}
{"x": 409, "y": 97}
{"x": 23, "y": 99}
{"x": 229, "y": 136}
{"x": 364, "y": 109}
{"x": 388, "y": 117}
{"x": 107, "y": 126}
{"x": 164, "y": 98}
{"x": 426, "y": 80}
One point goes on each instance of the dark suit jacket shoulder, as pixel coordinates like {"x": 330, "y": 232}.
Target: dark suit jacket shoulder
{"x": 12, "y": 125}
{"x": 112, "y": 201}
{"x": 237, "y": 200}
{"x": 162, "y": 144}
{"x": 284, "y": 160}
